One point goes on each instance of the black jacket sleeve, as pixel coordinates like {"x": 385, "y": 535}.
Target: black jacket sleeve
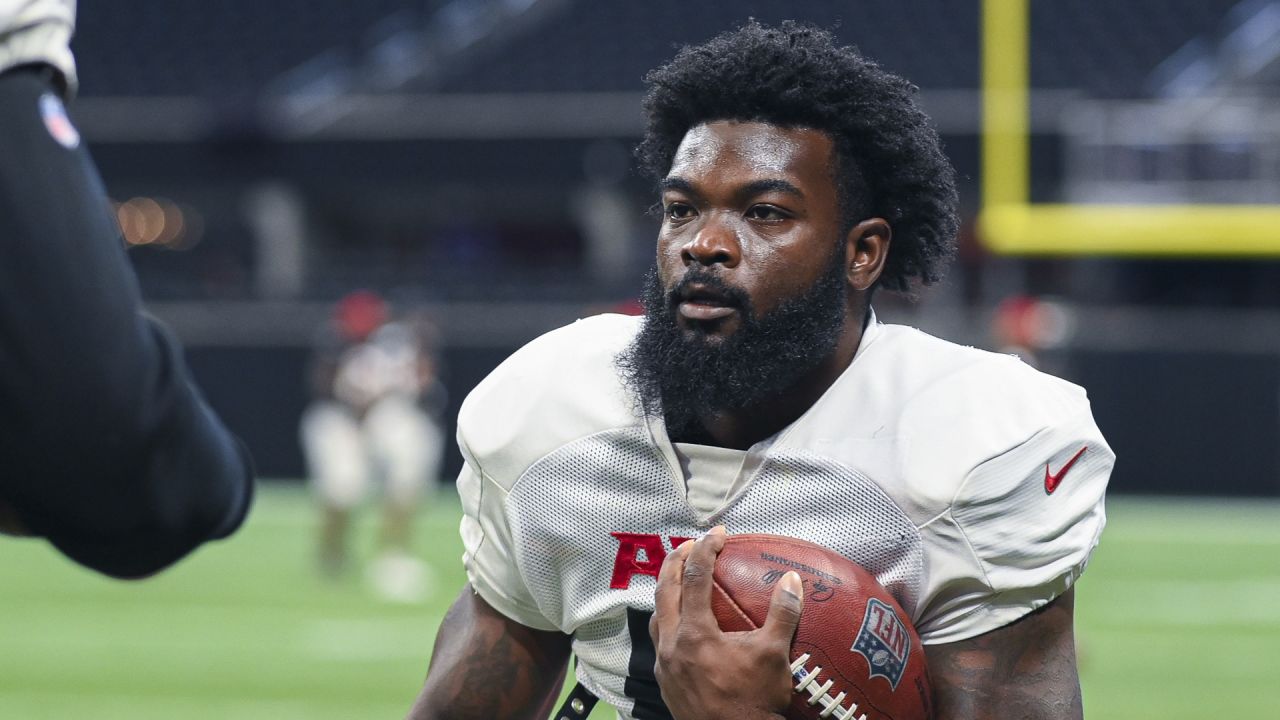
{"x": 106, "y": 446}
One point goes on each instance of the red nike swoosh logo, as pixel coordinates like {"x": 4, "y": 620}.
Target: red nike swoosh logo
{"x": 1052, "y": 480}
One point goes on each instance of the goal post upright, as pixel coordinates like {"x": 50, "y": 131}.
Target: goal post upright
{"x": 1006, "y": 108}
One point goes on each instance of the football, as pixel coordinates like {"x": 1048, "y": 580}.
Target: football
{"x": 855, "y": 655}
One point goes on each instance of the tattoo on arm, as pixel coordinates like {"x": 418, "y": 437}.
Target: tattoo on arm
{"x": 486, "y": 666}
{"x": 1025, "y": 670}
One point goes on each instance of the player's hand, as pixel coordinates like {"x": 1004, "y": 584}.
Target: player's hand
{"x": 706, "y": 673}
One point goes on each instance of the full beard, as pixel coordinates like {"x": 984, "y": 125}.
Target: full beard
{"x": 684, "y": 375}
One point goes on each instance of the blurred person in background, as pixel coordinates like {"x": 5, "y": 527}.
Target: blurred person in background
{"x": 1032, "y": 329}
{"x": 375, "y": 413}
{"x": 107, "y": 449}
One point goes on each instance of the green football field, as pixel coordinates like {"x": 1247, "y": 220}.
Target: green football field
{"x": 1179, "y": 616}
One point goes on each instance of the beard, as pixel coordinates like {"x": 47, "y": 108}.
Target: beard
{"x": 683, "y": 375}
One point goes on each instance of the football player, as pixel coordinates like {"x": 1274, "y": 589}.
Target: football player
{"x": 106, "y": 447}
{"x": 374, "y": 413}
{"x": 760, "y": 393}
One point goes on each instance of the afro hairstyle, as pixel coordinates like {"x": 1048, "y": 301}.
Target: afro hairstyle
{"x": 889, "y": 160}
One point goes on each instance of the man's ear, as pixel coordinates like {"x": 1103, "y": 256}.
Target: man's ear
{"x": 867, "y": 249}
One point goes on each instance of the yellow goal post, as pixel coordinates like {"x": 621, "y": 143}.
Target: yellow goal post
{"x": 1010, "y": 224}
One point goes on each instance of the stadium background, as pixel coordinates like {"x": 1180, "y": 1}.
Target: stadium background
{"x": 472, "y": 158}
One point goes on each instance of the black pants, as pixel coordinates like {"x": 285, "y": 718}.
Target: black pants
{"x": 106, "y": 448}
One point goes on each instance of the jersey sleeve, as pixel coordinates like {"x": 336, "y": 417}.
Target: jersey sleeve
{"x": 1025, "y": 524}
{"x": 488, "y": 546}
{"x": 39, "y": 32}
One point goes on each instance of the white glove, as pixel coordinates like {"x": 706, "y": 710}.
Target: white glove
{"x": 38, "y": 31}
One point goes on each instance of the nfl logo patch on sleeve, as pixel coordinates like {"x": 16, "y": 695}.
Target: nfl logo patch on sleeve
{"x": 884, "y": 642}
{"x": 56, "y": 121}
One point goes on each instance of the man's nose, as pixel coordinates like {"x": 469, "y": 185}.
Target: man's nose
{"x": 715, "y": 243}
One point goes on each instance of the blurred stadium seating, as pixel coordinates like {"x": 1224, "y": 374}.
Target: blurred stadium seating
{"x": 131, "y": 48}
{"x": 473, "y": 158}
{"x": 217, "y": 49}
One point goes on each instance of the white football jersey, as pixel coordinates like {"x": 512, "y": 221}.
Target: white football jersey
{"x": 970, "y": 484}
{"x": 33, "y": 31}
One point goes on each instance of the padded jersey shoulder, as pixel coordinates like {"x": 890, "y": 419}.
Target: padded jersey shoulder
{"x": 976, "y": 435}
{"x": 963, "y": 406}
{"x": 560, "y": 387}
{"x": 920, "y": 413}
{"x": 946, "y": 385}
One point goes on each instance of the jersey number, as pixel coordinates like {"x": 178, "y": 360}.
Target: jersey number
{"x": 641, "y": 685}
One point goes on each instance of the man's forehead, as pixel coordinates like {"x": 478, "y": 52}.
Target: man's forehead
{"x": 756, "y": 147}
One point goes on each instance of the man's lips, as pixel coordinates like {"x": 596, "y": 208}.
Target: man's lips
{"x": 700, "y": 302}
{"x": 703, "y": 310}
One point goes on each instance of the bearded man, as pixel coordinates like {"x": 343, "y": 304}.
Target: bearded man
{"x": 759, "y": 393}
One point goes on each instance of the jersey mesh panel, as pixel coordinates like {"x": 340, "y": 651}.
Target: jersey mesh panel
{"x": 564, "y": 507}
{"x": 562, "y": 510}
{"x": 807, "y": 496}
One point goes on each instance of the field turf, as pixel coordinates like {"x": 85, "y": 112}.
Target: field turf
{"x": 1178, "y": 616}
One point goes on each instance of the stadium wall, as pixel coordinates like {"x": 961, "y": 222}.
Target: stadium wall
{"x": 1216, "y": 433}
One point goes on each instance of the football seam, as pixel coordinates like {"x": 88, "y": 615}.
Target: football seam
{"x": 734, "y": 604}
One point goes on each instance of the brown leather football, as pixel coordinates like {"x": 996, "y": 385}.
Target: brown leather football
{"x": 855, "y": 654}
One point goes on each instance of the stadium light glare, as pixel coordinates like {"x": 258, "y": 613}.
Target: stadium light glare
{"x": 158, "y": 222}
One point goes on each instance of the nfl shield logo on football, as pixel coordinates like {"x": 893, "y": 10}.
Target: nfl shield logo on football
{"x": 884, "y": 642}
{"x": 57, "y": 122}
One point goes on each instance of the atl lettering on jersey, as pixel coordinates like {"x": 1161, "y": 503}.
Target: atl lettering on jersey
{"x": 639, "y": 554}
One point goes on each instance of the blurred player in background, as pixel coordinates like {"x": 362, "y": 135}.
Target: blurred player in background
{"x": 375, "y": 413}
{"x": 760, "y": 393}
{"x": 106, "y": 447}
{"x": 1033, "y": 328}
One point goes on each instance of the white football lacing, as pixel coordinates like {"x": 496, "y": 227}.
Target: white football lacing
{"x": 818, "y": 695}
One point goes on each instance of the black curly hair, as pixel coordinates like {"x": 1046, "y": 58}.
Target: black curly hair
{"x": 889, "y": 161}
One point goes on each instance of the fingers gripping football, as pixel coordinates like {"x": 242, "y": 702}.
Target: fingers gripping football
{"x": 704, "y": 672}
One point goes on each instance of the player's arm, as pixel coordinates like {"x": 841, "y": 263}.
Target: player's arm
{"x": 486, "y": 666}
{"x": 109, "y": 451}
{"x": 1023, "y": 671}
{"x": 1030, "y": 518}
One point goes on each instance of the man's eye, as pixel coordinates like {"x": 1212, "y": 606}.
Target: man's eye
{"x": 766, "y": 212}
{"x": 678, "y": 211}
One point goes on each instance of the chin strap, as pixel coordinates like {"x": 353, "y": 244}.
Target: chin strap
{"x": 577, "y": 705}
